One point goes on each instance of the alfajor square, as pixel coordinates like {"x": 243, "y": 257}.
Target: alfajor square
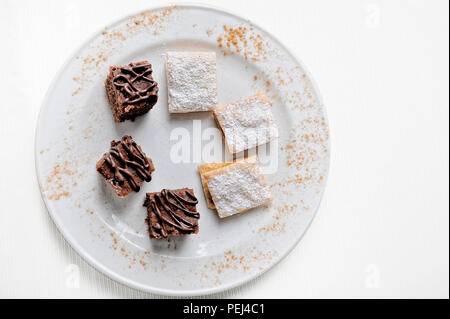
{"x": 203, "y": 169}
{"x": 237, "y": 187}
{"x": 209, "y": 167}
{"x": 191, "y": 81}
{"x": 246, "y": 123}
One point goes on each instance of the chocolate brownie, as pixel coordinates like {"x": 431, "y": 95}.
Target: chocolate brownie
{"x": 131, "y": 90}
{"x": 172, "y": 213}
{"x": 125, "y": 167}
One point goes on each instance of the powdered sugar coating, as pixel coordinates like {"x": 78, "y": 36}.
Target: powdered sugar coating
{"x": 238, "y": 187}
{"x": 204, "y": 169}
{"x": 191, "y": 81}
{"x": 247, "y": 123}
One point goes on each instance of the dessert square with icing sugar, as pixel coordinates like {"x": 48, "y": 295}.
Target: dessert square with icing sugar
{"x": 191, "y": 81}
{"x": 209, "y": 167}
{"x": 247, "y": 123}
{"x": 238, "y": 187}
{"x": 203, "y": 169}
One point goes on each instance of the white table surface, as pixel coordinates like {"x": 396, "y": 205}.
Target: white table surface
{"x": 383, "y": 226}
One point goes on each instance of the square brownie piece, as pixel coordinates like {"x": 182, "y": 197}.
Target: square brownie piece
{"x": 172, "y": 213}
{"x": 131, "y": 90}
{"x": 191, "y": 81}
{"x": 125, "y": 167}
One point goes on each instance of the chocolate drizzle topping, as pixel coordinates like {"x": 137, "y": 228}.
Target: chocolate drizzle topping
{"x": 176, "y": 212}
{"x": 128, "y": 168}
{"x": 127, "y": 83}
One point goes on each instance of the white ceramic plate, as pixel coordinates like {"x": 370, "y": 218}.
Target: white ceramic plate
{"x": 76, "y": 125}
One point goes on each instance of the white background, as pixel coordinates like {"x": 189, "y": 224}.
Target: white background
{"x": 383, "y": 226}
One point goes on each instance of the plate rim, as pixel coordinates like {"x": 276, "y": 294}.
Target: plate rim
{"x": 114, "y": 275}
